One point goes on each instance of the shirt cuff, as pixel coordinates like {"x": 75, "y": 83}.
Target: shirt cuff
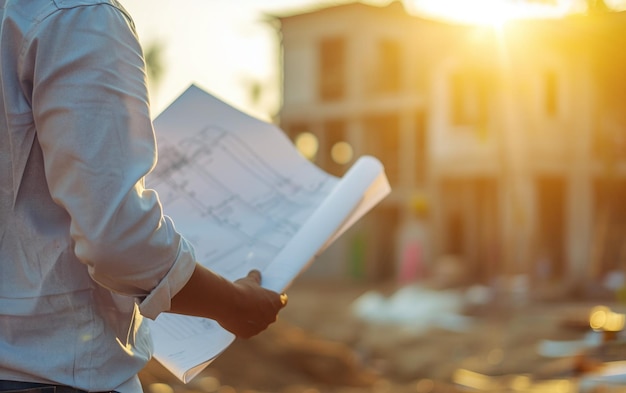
{"x": 159, "y": 299}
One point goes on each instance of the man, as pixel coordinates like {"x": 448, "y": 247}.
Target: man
{"x": 85, "y": 250}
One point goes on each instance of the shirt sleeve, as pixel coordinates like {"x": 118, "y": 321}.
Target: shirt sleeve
{"x": 91, "y": 111}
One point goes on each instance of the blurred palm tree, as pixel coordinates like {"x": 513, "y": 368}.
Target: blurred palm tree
{"x": 259, "y": 96}
{"x": 153, "y": 54}
{"x": 605, "y": 33}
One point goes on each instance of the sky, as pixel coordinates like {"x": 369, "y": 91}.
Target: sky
{"x": 227, "y": 47}
{"x": 223, "y": 46}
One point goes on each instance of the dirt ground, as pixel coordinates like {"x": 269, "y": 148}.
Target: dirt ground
{"x": 319, "y": 345}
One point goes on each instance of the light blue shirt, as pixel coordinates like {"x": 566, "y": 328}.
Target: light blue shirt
{"x": 85, "y": 250}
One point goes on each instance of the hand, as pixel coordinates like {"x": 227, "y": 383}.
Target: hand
{"x": 253, "y": 308}
{"x": 244, "y": 307}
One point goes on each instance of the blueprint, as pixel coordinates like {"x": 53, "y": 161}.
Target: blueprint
{"x": 243, "y": 196}
{"x": 247, "y": 213}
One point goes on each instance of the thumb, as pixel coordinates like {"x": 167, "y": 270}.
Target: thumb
{"x": 255, "y": 275}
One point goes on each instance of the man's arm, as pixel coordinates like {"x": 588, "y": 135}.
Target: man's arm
{"x": 244, "y": 308}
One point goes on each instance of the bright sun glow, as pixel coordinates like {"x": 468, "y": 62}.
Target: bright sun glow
{"x": 490, "y": 12}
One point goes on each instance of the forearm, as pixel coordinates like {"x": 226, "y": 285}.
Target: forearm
{"x": 206, "y": 295}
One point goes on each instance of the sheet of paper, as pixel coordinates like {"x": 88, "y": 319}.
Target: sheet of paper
{"x": 245, "y": 198}
{"x": 186, "y": 345}
{"x": 235, "y": 185}
{"x": 339, "y": 207}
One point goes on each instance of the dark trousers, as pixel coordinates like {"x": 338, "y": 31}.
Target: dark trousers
{"x": 31, "y": 387}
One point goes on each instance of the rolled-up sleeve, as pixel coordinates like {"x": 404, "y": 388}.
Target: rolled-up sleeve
{"x": 91, "y": 112}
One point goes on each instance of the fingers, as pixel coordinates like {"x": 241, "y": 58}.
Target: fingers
{"x": 256, "y": 276}
{"x": 259, "y": 308}
{"x": 251, "y": 329}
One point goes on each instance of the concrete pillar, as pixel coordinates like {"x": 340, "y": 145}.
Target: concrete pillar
{"x": 580, "y": 192}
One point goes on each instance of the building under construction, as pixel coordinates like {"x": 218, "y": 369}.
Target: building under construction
{"x": 505, "y": 145}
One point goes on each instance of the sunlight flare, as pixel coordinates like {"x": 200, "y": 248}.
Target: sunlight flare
{"x": 490, "y": 12}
